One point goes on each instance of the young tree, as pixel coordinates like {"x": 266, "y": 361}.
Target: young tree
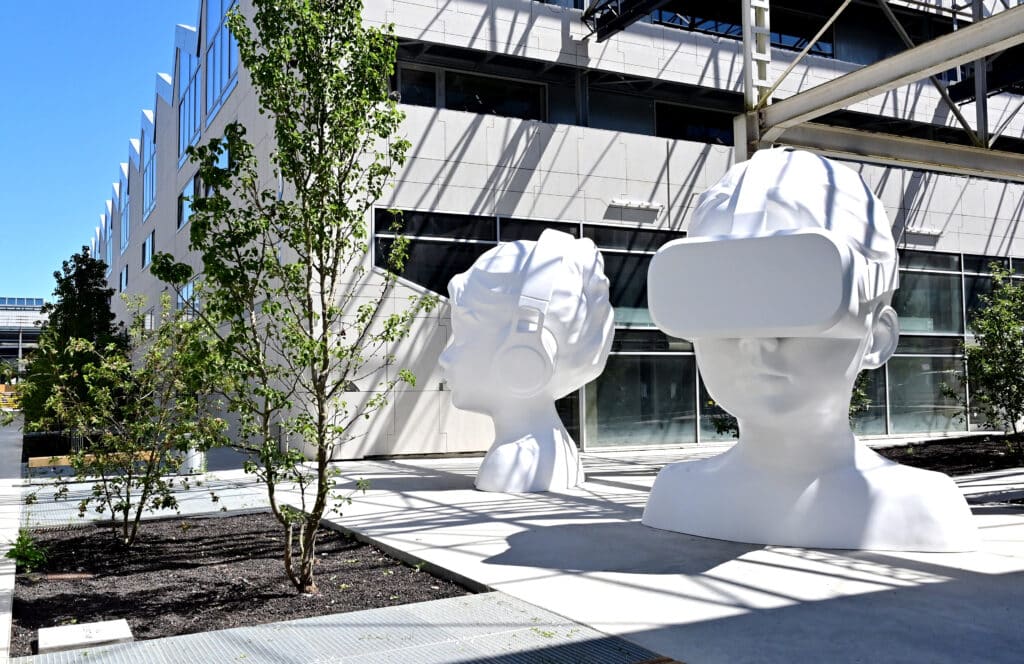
{"x": 142, "y": 411}
{"x": 80, "y": 310}
{"x": 287, "y": 287}
{"x": 995, "y": 361}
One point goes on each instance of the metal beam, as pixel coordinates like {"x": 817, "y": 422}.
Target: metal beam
{"x": 607, "y": 17}
{"x": 904, "y": 152}
{"x": 939, "y": 87}
{"x": 979, "y": 40}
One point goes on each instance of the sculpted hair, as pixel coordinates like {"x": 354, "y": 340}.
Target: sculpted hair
{"x": 579, "y": 319}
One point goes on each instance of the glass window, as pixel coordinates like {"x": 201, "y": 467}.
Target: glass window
{"x": 418, "y": 87}
{"x": 221, "y": 55}
{"x": 871, "y": 422}
{"x": 147, "y": 250}
{"x": 124, "y": 208}
{"x": 437, "y": 224}
{"x": 525, "y": 229}
{"x": 627, "y": 274}
{"x": 647, "y": 341}
{"x": 929, "y": 302}
{"x": 432, "y": 264}
{"x": 123, "y": 280}
{"x": 929, "y": 260}
{"x": 568, "y": 409}
{"x": 974, "y": 289}
{"x": 494, "y": 96}
{"x": 149, "y": 180}
{"x": 185, "y": 203}
{"x": 1018, "y": 266}
{"x": 983, "y": 264}
{"x": 188, "y": 105}
{"x": 916, "y": 400}
{"x": 642, "y": 401}
{"x": 715, "y": 422}
{"x": 914, "y": 345}
{"x": 186, "y": 299}
{"x": 619, "y": 112}
{"x": 694, "y": 124}
{"x": 631, "y": 239}
{"x": 562, "y": 103}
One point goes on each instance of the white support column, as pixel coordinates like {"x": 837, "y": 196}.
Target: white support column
{"x": 757, "y": 57}
{"x": 757, "y": 50}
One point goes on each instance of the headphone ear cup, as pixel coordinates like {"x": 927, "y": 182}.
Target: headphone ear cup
{"x": 523, "y": 368}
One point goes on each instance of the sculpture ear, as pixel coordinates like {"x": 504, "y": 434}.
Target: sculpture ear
{"x": 885, "y": 334}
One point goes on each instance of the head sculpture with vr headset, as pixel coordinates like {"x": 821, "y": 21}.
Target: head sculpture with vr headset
{"x": 531, "y": 322}
{"x": 784, "y": 285}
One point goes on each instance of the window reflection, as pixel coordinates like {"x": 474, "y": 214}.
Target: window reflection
{"x": 929, "y": 302}
{"x": 493, "y": 96}
{"x": 642, "y": 401}
{"x": 917, "y": 402}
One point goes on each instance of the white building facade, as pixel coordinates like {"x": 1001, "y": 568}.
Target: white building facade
{"x": 520, "y": 121}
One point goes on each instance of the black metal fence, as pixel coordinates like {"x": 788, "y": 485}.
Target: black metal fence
{"x": 50, "y": 444}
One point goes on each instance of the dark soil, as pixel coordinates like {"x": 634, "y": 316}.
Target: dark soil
{"x": 958, "y": 456}
{"x": 202, "y": 574}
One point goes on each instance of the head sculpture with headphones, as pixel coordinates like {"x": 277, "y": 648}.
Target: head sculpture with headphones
{"x": 531, "y": 322}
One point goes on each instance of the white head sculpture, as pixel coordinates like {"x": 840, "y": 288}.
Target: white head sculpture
{"x": 783, "y": 285}
{"x": 531, "y": 322}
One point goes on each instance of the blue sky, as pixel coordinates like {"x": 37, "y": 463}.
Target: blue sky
{"x": 76, "y": 75}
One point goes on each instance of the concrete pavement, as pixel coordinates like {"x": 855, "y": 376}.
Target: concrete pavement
{"x": 583, "y": 555}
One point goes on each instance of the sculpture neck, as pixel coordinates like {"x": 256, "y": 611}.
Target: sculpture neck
{"x": 523, "y": 418}
{"x": 811, "y": 447}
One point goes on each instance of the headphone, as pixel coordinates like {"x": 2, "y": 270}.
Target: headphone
{"x": 525, "y": 362}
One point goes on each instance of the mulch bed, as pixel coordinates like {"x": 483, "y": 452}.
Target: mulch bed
{"x": 958, "y": 456}
{"x": 189, "y": 575}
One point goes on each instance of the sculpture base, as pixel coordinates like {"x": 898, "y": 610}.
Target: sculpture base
{"x": 873, "y": 504}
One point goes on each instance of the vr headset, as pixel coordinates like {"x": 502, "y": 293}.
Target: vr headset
{"x": 791, "y": 283}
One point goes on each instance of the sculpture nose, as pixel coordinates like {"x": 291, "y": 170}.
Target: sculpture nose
{"x": 755, "y": 347}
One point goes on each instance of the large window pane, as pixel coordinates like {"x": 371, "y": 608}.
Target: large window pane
{"x": 631, "y": 239}
{"x": 618, "y": 112}
{"x": 494, "y": 96}
{"x": 432, "y": 264}
{"x": 929, "y": 302}
{"x": 627, "y": 275}
{"x": 561, "y": 104}
{"x": 973, "y": 263}
{"x": 436, "y": 224}
{"x": 871, "y": 422}
{"x": 525, "y": 229}
{"x": 930, "y": 260}
{"x": 568, "y": 409}
{"x": 916, "y": 400}
{"x": 715, "y": 422}
{"x": 694, "y": 124}
{"x": 418, "y": 87}
{"x": 647, "y": 341}
{"x": 642, "y": 401}
{"x": 974, "y": 289}
{"x": 914, "y": 345}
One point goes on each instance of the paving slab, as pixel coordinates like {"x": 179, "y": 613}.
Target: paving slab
{"x": 491, "y": 627}
{"x": 584, "y": 554}
{"x": 85, "y": 635}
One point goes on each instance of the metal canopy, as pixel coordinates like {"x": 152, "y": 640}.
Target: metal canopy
{"x": 607, "y": 17}
{"x": 789, "y": 121}
{"x": 978, "y": 40}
